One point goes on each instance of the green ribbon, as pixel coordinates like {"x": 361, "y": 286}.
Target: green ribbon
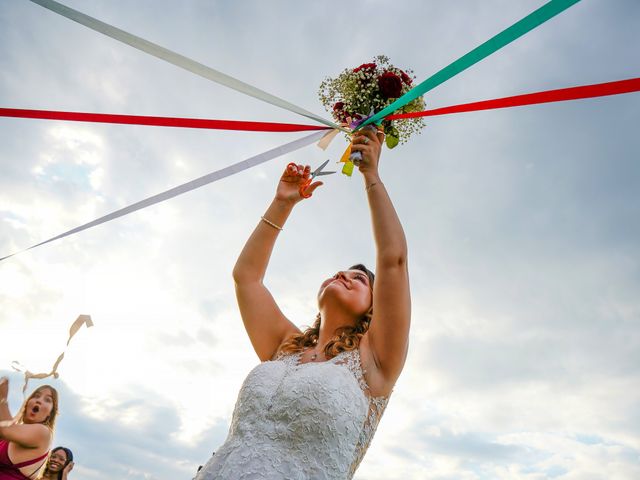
{"x": 515, "y": 31}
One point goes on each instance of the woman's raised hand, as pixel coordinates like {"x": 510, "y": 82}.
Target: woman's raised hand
{"x": 368, "y": 141}
{"x": 67, "y": 469}
{"x": 294, "y": 185}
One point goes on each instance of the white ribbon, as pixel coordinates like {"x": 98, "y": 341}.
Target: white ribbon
{"x": 177, "y": 59}
{"x": 75, "y": 326}
{"x": 192, "y": 185}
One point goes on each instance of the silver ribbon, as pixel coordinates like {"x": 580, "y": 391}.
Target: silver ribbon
{"x": 177, "y": 59}
{"x": 192, "y": 185}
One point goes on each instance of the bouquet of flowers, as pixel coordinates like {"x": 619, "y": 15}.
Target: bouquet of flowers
{"x": 360, "y": 92}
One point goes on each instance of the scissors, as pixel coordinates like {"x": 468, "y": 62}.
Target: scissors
{"x": 316, "y": 173}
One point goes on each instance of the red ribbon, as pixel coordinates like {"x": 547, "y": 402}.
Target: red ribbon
{"x": 159, "y": 121}
{"x": 559, "y": 95}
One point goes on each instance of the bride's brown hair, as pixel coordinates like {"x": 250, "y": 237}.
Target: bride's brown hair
{"x": 344, "y": 338}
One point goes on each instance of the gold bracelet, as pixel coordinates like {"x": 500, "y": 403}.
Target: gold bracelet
{"x": 369, "y": 187}
{"x": 3, "y": 401}
{"x": 269, "y": 222}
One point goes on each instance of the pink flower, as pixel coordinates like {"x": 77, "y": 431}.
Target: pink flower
{"x": 390, "y": 85}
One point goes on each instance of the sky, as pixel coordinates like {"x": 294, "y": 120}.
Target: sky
{"x": 523, "y": 230}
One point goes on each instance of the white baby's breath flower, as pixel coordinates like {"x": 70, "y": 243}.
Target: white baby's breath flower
{"x": 359, "y": 92}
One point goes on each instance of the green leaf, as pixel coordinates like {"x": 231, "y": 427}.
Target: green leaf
{"x": 391, "y": 140}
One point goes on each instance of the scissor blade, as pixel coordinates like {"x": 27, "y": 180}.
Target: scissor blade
{"x": 319, "y": 174}
{"x": 318, "y": 171}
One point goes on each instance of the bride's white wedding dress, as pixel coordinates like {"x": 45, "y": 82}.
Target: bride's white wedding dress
{"x": 293, "y": 421}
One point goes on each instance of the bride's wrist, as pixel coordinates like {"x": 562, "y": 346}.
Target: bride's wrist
{"x": 284, "y": 203}
{"x": 371, "y": 178}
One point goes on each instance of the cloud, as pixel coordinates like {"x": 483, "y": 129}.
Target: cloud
{"x": 522, "y": 227}
{"x": 129, "y": 439}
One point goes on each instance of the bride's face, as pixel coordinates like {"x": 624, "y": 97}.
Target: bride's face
{"x": 350, "y": 288}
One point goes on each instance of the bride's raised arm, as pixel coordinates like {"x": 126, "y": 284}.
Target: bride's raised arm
{"x": 387, "y": 340}
{"x": 265, "y": 323}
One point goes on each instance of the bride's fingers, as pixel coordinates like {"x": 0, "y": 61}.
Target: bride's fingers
{"x": 300, "y": 174}
{"x": 289, "y": 172}
{"x": 312, "y": 188}
{"x": 294, "y": 172}
{"x": 359, "y": 147}
{"x": 369, "y": 134}
{"x": 297, "y": 169}
{"x": 307, "y": 190}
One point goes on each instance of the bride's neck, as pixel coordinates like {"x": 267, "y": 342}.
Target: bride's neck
{"x": 331, "y": 320}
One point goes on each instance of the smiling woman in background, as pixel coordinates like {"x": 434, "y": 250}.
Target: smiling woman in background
{"x": 59, "y": 465}
{"x": 24, "y": 445}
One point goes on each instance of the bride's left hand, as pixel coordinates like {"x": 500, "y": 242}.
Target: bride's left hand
{"x": 368, "y": 141}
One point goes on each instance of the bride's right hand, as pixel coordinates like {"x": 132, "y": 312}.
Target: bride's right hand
{"x": 292, "y": 186}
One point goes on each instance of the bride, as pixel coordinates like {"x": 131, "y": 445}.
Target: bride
{"x": 310, "y": 409}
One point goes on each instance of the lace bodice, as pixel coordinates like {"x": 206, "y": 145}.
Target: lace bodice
{"x": 309, "y": 421}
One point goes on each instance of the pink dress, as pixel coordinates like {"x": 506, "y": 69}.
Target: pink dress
{"x": 10, "y": 470}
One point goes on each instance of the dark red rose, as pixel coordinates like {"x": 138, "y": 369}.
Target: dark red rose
{"x": 406, "y": 78}
{"x": 390, "y": 85}
{"x": 365, "y": 66}
{"x": 339, "y": 112}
